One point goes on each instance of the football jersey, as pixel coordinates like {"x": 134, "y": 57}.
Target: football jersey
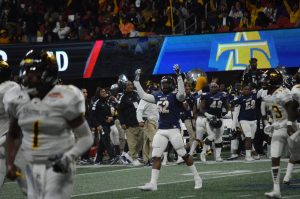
{"x": 276, "y": 102}
{"x": 4, "y": 121}
{"x": 44, "y": 122}
{"x": 214, "y": 103}
{"x": 169, "y": 109}
{"x": 296, "y": 92}
{"x": 248, "y": 107}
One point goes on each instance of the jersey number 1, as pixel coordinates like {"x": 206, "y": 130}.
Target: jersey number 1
{"x": 36, "y": 133}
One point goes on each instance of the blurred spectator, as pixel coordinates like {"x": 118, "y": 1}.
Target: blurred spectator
{"x": 62, "y": 30}
{"x": 271, "y": 11}
{"x": 31, "y": 20}
{"x": 245, "y": 21}
{"x": 30, "y": 24}
{"x": 204, "y": 27}
{"x": 236, "y": 12}
{"x": 262, "y": 20}
{"x": 225, "y": 21}
{"x": 293, "y": 13}
{"x": 4, "y": 36}
{"x": 126, "y": 27}
{"x": 254, "y": 10}
{"x": 50, "y": 36}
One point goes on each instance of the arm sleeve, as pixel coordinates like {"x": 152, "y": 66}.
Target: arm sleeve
{"x": 121, "y": 110}
{"x": 235, "y": 114}
{"x": 147, "y": 97}
{"x": 84, "y": 141}
{"x": 76, "y": 106}
{"x": 180, "y": 95}
{"x": 140, "y": 110}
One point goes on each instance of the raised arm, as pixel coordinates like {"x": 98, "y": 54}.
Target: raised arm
{"x": 287, "y": 6}
{"x": 142, "y": 94}
{"x": 180, "y": 95}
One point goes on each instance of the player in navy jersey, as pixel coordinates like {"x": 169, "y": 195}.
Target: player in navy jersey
{"x": 169, "y": 105}
{"x": 245, "y": 114}
{"x": 213, "y": 105}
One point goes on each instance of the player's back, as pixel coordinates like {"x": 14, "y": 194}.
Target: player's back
{"x": 44, "y": 123}
{"x": 4, "y": 87}
{"x": 296, "y": 92}
{"x": 169, "y": 109}
{"x": 279, "y": 96}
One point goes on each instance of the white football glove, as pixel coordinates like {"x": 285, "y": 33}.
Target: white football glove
{"x": 137, "y": 74}
{"x": 60, "y": 163}
{"x": 268, "y": 129}
{"x": 176, "y": 68}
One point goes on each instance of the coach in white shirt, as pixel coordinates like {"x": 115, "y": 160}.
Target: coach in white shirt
{"x": 147, "y": 116}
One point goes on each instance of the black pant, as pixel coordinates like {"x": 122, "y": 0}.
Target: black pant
{"x": 260, "y": 137}
{"x": 104, "y": 144}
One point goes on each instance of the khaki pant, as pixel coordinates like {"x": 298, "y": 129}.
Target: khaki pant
{"x": 134, "y": 141}
{"x": 149, "y": 131}
{"x": 121, "y": 135}
{"x": 192, "y": 133}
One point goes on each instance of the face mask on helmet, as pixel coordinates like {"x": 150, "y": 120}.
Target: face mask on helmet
{"x": 215, "y": 123}
{"x": 273, "y": 79}
{"x": 167, "y": 84}
{"x": 5, "y": 71}
{"x": 39, "y": 70}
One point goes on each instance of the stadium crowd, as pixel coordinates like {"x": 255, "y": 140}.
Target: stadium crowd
{"x": 62, "y": 20}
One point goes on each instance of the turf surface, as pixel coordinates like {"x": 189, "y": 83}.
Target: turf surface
{"x": 235, "y": 179}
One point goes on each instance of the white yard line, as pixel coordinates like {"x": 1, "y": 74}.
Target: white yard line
{"x": 244, "y": 196}
{"x": 190, "y": 196}
{"x": 294, "y": 196}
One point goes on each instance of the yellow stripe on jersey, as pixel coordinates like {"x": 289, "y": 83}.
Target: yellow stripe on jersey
{"x": 36, "y": 134}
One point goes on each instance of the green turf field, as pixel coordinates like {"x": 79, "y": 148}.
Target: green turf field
{"x": 235, "y": 179}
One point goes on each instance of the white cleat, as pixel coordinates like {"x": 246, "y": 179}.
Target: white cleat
{"x": 203, "y": 157}
{"x": 286, "y": 180}
{"x": 256, "y": 157}
{"x": 179, "y": 160}
{"x": 249, "y": 159}
{"x": 136, "y": 163}
{"x": 219, "y": 159}
{"x": 164, "y": 163}
{"x": 148, "y": 187}
{"x": 273, "y": 194}
{"x": 198, "y": 184}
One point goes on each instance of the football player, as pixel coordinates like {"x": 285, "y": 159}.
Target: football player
{"x": 212, "y": 106}
{"x": 49, "y": 116}
{"x": 6, "y": 84}
{"x": 278, "y": 130}
{"x": 200, "y": 125}
{"x": 293, "y": 130}
{"x": 169, "y": 105}
{"x": 245, "y": 113}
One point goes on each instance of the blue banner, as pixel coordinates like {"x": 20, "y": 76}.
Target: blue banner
{"x": 230, "y": 51}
